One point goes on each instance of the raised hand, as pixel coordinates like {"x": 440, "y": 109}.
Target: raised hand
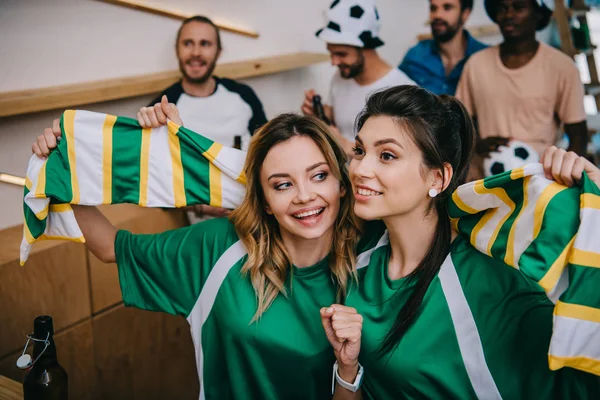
{"x": 343, "y": 327}
{"x": 48, "y": 141}
{"x": 157, "y": 115}
{"x": 567, "y": 168}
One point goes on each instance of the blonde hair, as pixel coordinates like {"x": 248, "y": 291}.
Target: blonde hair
{"x": 268, "y": 262}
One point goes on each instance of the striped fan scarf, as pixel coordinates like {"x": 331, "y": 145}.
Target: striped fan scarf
{"x": 548, "y": 231}
{"x": 103, "y": 159}
{"x": 551, "y": 233}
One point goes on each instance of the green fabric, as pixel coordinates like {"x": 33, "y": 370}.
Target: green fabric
{"x": 513, "y": 318}
{"x": 127, "y": 143}
{"x": 103, "y": 159}
{"x": 285, "y": 355}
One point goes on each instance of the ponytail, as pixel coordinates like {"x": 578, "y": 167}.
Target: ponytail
{"x": 443, "y": 130}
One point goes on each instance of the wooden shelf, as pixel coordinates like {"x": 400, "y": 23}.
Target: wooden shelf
{"x": 12, "y": 179}
{"x": 10, "y": 390}
{"x": 138, "y": 5}
{"x": 50, "y": 98}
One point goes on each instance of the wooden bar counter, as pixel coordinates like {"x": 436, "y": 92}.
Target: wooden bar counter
{"x": 10, "y": 390}
{"x": 109, "y": 351}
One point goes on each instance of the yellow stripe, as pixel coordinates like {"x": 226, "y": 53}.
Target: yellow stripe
{"x": 144, "y": 159}
{"x": 517, "y": 173}
{"x": 40, "y": 188}
{"x": 482, "y": 222}
{"x": 500, "y": 194}
{"x": 585, "y": 258}
{"x": 551, "y": 277}
{"x": 176, "y": 166}
{"x": 214, "y": 175}
{"x": 540, "y": 207}
{"x": 581, "y": 363}
{"x": 462, "y": 205}
{"x": 577, "y": 311}
{"x": 60, "y": 208}
{"x": 242, "y": 178}
{"x": 216, "y": 197}
{"x": 213, "y": 152}
{"x": 28, "y": 183}
{"x": 590, "y": 200}
{"x": 510, "y": 244}
{"x": 454, "y": 223}
{"x": 69, "y": 127}
{"x": 107, "y": 147}
{"x": 27, "y": 234}
{"x": 79, "y": 239}
{"x": 42, "y": 214}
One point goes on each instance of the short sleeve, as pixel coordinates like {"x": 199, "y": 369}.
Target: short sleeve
{"x": 463, "y": 91}
{"x": 258, "y": 113}
{"x": 167, "y": 271}
{"x": 569, "y": 101}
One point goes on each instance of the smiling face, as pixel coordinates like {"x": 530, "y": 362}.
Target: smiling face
{"x": 197, "y": 51}
{"x": 349, "y": 60}
{"x": 300, "y": 191}
{"x": 387, "y": 172}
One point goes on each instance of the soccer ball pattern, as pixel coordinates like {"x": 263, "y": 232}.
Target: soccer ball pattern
{"x": 353, "y": 22}
{"x": 514, "y": 155}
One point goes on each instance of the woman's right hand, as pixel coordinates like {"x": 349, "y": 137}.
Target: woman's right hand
{"x": 155, "y": 116}
{"x": 343, "y": 327}
{"x": 567, "y": 168}
{"x": 48, "y": 141}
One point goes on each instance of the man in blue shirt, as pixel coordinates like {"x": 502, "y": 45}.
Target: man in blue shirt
{"x": 437, "y": 64}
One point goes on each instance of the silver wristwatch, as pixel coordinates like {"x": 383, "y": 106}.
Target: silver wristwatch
{"x": 353, "y": 387}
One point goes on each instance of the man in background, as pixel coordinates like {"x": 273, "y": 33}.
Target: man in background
{"x": 351, "y": 35}
{"x": 221, "y": 109}
{"x": 522, "y": 89}
{"x": 437, "y": 64}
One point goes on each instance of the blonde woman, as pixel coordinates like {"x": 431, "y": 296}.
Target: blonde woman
{"x": 251, "y": 286}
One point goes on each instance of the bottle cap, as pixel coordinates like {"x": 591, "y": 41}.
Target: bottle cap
{"x": 42, "y": 325}
{"x": 24, "y": 361}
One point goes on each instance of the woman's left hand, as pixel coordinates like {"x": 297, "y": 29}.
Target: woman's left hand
{"x": 343, "y": 327}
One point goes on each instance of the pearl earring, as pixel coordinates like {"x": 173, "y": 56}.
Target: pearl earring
{"x": 433, "y": 192}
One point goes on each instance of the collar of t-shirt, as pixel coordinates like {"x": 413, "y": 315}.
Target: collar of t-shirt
{"x": 220, "y": 117}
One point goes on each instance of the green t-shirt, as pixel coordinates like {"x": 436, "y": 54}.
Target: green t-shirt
{"x": 483, "y": 331}
{"x": 195, "y": 272}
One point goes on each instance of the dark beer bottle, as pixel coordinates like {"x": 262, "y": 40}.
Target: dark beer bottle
{"x": 237, "y": 142}
{"x": 46, "y": 380}
{"x": 319, "y": 110}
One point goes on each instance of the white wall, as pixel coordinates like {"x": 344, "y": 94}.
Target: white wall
{"x": 54, "y": 42}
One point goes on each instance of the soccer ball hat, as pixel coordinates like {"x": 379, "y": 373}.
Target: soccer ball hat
{"x": 546, "y": 7}
{"x": 353, "y": 23}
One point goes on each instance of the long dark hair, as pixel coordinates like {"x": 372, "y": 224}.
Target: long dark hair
{"x": 443, "y": 130}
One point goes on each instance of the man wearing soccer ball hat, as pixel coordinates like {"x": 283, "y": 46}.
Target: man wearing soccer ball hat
{"x": 352, "y": 35}
{"x": 522, "y": 89}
